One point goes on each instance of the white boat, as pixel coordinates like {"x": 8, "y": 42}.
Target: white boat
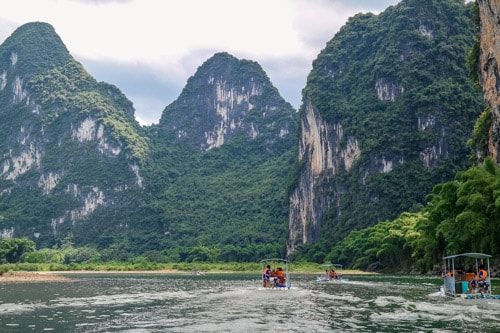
{"x": 465, "y": 283}
{"x": 277, "y": 277}
{"x": 330, "y": 275}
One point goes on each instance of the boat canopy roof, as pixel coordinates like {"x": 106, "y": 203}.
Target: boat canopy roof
{"x": 471, "y": 255}
{"x": 274, "y": 259}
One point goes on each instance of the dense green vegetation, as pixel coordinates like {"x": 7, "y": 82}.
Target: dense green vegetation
{"x": 35, "y": 48}
{"x": 12, "y": 250}
{"x": 461, "y": 215}
{"x": 142, "y": 264}
{"x": 231, "y": 199}
{"x": 417, "y": 50}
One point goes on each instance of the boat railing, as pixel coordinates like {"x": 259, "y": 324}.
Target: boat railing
{"x": 449, "y": 284}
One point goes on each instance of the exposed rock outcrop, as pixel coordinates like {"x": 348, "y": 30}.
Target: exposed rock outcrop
{"x": 489, "y": 13}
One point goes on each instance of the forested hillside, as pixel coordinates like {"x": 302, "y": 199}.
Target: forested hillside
{"x": 461, "y": 215}
{"x": 394, "y": 103}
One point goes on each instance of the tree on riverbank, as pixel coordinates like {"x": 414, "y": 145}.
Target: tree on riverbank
{"x": 12, "y": 249}
{"x": 462, "y": 215}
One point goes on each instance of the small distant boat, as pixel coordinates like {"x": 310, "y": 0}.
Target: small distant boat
{"x": 330, "y": 274}
{"x": 467, "y": 284}
{"x": 274, "y": 275}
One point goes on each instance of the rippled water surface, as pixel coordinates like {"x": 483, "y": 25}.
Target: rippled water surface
{"x": 237, "y": 303}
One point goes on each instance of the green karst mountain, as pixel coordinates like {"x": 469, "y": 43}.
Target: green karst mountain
{"x": 232, "y": 172}
{"x": 71, "y": 148}
{"x": 387, "y": 111}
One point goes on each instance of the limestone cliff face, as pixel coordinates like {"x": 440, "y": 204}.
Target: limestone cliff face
{"x": 489, "y": 12}
{"x": 320, "y": 147}
{"x": 386, "y": 113}
{"x": 227, "y": 97}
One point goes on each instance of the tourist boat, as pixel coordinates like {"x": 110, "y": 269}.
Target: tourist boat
{"x": 279, "y": 278}
{"x": 326, "y": 277}
{"x": 458, "y": 282}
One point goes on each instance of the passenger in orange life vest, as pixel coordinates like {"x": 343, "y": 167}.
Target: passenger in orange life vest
{"x": 480, "y": 280}
{"x": 482, "y": 274}
{"x": 281, "y": 276}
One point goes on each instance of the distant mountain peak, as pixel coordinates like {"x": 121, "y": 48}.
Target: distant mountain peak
{"x": 225, "y": 98}
{"x": 36, "y": 47}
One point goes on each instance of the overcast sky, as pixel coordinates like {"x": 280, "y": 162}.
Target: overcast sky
{"x": 149, "y": 48}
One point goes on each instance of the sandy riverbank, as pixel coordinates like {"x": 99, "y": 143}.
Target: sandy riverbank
{"x": 56, "y": 276}
{"x": 31, "y": 277}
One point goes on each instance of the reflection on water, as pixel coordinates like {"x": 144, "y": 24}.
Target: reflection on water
{"x": 237, "y": 303}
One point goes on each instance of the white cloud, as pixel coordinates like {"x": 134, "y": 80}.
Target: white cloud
{"x": 149, "y": 48}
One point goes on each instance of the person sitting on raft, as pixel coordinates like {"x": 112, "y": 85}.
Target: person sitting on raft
{"x": 280, "y": 278}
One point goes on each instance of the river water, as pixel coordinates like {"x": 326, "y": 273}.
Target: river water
{"x": 237, "y": 303}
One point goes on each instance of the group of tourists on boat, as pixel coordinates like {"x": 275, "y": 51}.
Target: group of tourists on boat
{"x": 273, "y": 278}
{"x": 332, "y": 275}
{"x": 477, "y": 282}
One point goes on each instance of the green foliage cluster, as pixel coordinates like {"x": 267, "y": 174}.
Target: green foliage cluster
{"x": 461, "y": 216}
{"x": 13, "y": 249}
{"x": 143, "y": 264}
{"x": 466, "y": 212}
{"x": 478, "y": 143}
{"x": 387, "y": 245}
{"x": 227, "y": 203}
